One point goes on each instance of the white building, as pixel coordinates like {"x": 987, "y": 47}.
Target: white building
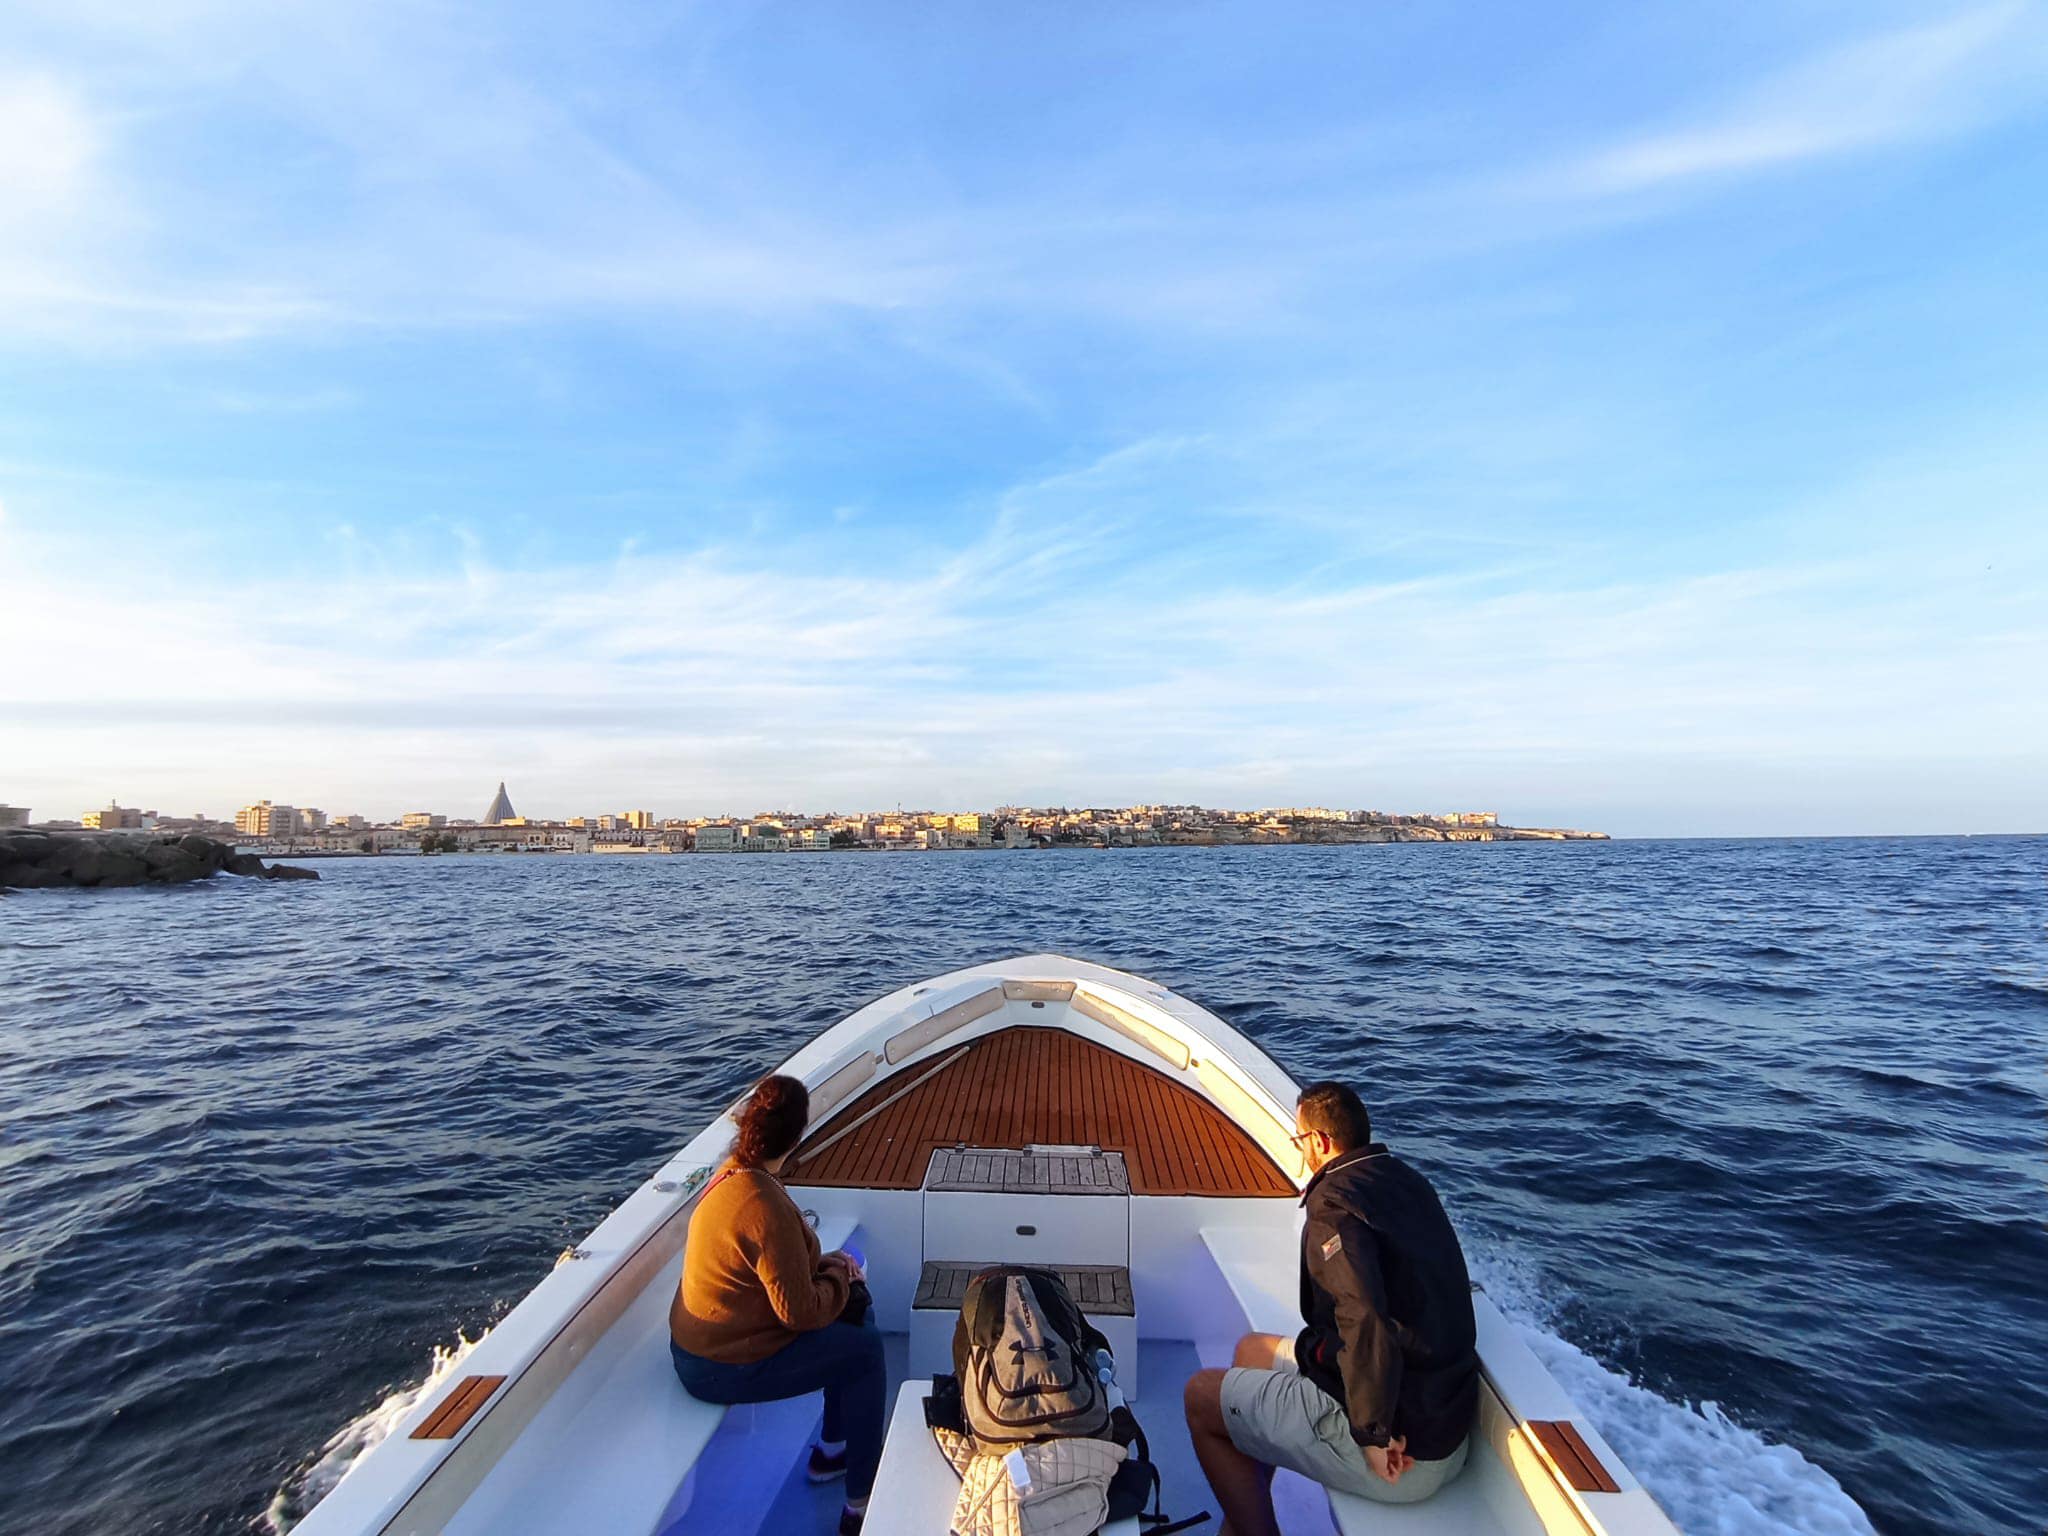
{"x": 763, "y": 837}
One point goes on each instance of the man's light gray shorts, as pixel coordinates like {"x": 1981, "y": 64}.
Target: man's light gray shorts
{"x": 1283, "y": 1419}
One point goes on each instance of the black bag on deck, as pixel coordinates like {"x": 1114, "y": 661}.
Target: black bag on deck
{"x": 1025, "y": 1358}
{"x": 1137, "y": 1480}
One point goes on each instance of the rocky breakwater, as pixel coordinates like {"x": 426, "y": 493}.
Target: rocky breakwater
{"x": 102, "y": 860}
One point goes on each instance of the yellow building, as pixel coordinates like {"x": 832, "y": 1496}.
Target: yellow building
{"x": 114, "y": 818}
{"x": 266, "y": 820}
{"x": 640, "y": 821}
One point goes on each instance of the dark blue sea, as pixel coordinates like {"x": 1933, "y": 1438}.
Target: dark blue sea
{"x": 1748, "y": 1135}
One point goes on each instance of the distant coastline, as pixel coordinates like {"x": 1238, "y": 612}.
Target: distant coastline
{"x": 761, "y": 845}
{"x": 1505, "y": 835}
{"x": 275, "y": 827}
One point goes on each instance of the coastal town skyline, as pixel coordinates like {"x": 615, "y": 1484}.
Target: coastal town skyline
{"x": 500, "y": 828}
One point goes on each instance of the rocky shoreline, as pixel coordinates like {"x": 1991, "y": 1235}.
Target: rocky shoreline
{"x": 105, "y": 860}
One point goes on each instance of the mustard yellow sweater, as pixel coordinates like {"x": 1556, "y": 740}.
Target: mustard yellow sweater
{"x": 751, "y": 1280}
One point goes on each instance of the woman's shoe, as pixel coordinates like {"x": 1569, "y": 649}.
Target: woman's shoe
{"x": 850, "y": 1521}
{"x": 823, "y": 1466}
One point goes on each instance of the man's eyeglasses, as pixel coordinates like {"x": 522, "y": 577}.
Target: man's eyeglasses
{"x": 1301, "y": 1136}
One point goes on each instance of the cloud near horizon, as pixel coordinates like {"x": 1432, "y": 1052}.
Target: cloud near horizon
{"x": 712, "y": 681}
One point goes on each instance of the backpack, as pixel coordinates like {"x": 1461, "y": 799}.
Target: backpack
{"x": 1025, "y": 1359}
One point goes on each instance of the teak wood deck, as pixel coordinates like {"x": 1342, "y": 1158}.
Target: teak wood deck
{"x": 1037, "y": 1085}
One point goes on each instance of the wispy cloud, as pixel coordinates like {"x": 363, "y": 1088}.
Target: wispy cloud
{"x": 1898, "y": 87}
{"x": 223, "y": 172}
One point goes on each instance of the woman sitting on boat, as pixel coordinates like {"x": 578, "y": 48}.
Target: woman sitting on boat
{"x": 761, "y": 1314}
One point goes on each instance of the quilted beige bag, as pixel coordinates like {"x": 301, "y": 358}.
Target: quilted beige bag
{"x": 1050, "y": 1488}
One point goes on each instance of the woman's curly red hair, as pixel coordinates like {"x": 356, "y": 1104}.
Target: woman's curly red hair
{"x": 771, "y": 1121}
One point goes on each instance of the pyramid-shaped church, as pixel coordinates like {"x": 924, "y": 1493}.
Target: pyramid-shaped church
{"x": 501, "y": 808}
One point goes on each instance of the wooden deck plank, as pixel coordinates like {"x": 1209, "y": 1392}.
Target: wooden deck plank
{"x": 1031, "y": 1084}
{"x": 1085, "y": 1075}
{"x": 1073, "y": 1105}
{"x": 1088, "y": 1079}
{"x": 458, "y": 1407}
{"x": 1169, "y": 1144}
{"x": 1042, "y": 1080}
{"x": 1061, "y": 1110}
{"x": 977, "y": 1099}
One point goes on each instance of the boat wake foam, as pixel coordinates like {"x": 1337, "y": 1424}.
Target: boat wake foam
{"x": 355, "y": 1439}
{"x": 1712, "y": 1476}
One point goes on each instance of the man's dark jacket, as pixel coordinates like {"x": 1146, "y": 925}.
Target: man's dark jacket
{"x": 1388, "y": 1304}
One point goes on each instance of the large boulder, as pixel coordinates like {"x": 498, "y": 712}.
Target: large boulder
{"x": 208, "y": 852}
{"x": 97, "y": 860}
{"x": 23, "y": 847}
{"x": 174, "y": 863}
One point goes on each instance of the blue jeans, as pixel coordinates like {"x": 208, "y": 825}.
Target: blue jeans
{"x": 843, "y": 1360}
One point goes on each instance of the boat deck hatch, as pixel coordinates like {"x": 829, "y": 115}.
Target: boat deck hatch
{"x": 1029, "y": 1171}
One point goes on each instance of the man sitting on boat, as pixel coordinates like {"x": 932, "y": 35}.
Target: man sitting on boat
{"x": 762, "y": 1315}
{"x": 1376, "y": 1396}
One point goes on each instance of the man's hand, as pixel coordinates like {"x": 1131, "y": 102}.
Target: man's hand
{"x": 1389, "y": 1460}
{"x": 837, "y": 1263}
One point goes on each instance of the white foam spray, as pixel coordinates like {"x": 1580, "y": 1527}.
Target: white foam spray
{"x": 1712, "y": 1476}
{"x": 356, "y": 1439}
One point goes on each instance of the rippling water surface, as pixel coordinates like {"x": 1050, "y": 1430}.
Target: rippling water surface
{"x": 1748, "y": 1134}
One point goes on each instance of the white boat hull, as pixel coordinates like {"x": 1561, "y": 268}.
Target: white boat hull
{"x": 568, "y": 1417}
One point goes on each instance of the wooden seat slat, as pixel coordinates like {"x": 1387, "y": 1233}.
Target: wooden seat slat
{"x": 1104, "y": 1289}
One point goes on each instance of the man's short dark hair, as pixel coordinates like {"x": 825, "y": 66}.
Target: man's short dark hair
{"x": 1336, "y": 1111}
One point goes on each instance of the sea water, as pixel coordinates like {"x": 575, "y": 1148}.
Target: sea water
{"x": 1746, "y": 1136}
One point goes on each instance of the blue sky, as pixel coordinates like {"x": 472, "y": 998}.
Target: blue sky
{"x": 1626, "y": 416}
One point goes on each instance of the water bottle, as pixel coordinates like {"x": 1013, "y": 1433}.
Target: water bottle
{"x": 1105, "y": 1372}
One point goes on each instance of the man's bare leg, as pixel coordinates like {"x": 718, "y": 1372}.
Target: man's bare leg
{"x": 1255, "y": 1351}
{"x": 1243, "y": 1487}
